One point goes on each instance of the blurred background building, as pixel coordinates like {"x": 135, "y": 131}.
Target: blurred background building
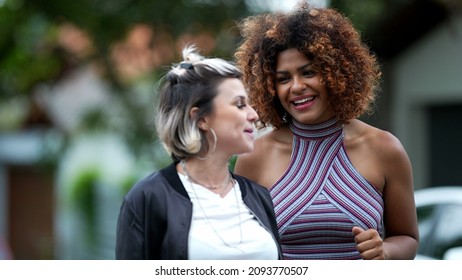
{"x": 77, "y": 83}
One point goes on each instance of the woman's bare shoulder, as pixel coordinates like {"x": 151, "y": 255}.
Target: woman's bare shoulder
{"x": 268, "y": 147}
{"x": 379, "y": 140}
{"x": 380, "y": 146}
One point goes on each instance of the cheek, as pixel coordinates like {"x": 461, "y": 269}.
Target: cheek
{"x": 278, "y": 93}
{"x": 281, "y": 95}
{"x": 278, "y": 88}
{"x": 282, "y": 90}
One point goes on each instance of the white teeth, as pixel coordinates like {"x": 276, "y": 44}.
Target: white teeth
{"x": 303, "y": 100}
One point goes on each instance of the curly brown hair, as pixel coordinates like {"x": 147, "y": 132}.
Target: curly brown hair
{"x": 347, "y": 67}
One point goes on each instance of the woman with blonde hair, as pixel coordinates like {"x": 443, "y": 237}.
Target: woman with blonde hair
{"x": 195, "y": 208}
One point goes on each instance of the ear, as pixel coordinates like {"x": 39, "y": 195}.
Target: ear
{"x": 201, "y": 123}
{"x": 193, "y": 112}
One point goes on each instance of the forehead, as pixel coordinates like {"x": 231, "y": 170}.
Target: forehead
{"x": 231, "y": 88}
{"x": 291, "y": 57}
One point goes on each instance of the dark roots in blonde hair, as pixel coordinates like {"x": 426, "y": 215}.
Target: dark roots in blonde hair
{"x": 348, "y": 69}
{"x": 192, "y": 83}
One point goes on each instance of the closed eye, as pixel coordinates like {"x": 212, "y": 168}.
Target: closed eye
{"x": 309, "y": 73}
{"x": 241, "y": 103}
{"x": 282, "y": 79}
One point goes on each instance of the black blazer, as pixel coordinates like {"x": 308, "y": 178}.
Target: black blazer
{"x": 155, "y": 216}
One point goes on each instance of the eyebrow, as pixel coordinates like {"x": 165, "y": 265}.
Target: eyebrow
{"x": 298, "y": 69}
{"x": 240, "y": 98}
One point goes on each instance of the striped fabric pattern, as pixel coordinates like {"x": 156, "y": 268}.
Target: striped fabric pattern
{"x": 321, "y": 196}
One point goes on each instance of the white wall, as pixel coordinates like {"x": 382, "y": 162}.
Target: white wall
{"x": 429, "y": 72}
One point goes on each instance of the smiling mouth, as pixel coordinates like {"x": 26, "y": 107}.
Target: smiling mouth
{"x": 302, "y": 101}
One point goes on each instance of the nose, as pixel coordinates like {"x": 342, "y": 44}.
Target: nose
{"x": 252, "y": 115}
{"x": 298, "y": 84}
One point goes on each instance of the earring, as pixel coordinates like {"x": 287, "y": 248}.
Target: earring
{"x": 284, "y": 118}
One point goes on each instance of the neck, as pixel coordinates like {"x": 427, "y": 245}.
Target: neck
{"x": 318, "y": 131}
{"x": 211, "y": 176}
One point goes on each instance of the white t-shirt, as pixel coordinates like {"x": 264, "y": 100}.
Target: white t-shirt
{"x": 217, "y": 233}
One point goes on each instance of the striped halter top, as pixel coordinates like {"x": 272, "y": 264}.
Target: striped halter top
{"x": 321, "y": 196}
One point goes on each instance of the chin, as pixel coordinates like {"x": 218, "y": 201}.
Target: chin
{"x": 248, "y": 149}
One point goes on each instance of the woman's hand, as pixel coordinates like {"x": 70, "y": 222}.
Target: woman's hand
{"x": 369, "y": 244}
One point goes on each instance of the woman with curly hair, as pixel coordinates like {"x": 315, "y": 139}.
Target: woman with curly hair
{"x": 342, "y": 189}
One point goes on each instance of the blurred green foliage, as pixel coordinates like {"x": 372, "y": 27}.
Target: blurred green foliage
{"x": 30, "y": 52}
{"x": 83, "y": 198}
{"x": 33, "y": 54}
